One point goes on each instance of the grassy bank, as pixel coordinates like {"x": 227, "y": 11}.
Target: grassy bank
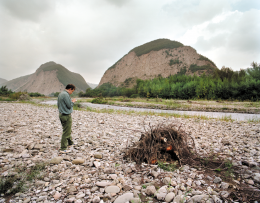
{"x": 181, "y": 105}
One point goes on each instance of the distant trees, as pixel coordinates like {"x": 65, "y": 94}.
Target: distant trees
{"x": 222, "y": 84}
{"x": 254, "y": 72}
{"x": 4, "y": 91}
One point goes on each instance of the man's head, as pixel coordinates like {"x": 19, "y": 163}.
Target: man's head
{"x": 70, "y": 88}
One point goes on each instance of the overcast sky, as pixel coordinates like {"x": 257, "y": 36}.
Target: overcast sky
{"x": 88, "y": 36}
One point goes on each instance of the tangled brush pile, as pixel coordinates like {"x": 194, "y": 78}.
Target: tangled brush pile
{"x": 165, "y": 143}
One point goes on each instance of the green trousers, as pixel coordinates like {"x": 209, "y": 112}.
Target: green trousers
{"x": 66, "y": 122}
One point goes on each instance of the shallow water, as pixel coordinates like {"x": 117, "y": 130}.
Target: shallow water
{"x": 234, "y": 116}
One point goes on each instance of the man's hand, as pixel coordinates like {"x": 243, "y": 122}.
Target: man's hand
{"x": 73, "y": 100}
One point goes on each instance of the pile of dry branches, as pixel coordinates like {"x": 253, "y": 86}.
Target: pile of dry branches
{"x": 163, "y": 143}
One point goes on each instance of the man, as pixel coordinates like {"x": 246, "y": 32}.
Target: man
{"x": 65, "y": 106}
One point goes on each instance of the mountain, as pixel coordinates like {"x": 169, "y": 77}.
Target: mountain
{"x": 93, "y": 86}
{"x": 48, "y": 78}
{"x": 159, "y": 57}
{"x": 3, "y": 80}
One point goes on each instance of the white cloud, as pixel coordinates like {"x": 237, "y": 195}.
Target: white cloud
{"x": 88, "y": 37}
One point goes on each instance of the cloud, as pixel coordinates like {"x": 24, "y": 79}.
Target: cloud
{"x": 118, "y": 2}
{"x": 27, "y": 9}
{"x": 88, "y": 37}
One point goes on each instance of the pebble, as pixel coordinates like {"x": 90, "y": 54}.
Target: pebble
{"x": 112, "y": 189}
{"x": 94, "y": 170}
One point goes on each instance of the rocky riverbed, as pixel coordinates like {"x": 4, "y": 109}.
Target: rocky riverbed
{"x": 94, "y": 171}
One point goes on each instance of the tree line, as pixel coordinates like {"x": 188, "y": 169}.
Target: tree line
{"x": 223, "y": 84}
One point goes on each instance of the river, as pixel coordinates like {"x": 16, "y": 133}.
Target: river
{"x": 234, "y": 116}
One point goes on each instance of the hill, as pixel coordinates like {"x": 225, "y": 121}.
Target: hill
{"x": 159, "y": 57}
{"x": 93, "y": 86}
{"x": 48, "y": 78}
{"x": 3, "y": 80}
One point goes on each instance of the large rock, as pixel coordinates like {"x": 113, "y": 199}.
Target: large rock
{"x": 56, "y": 160}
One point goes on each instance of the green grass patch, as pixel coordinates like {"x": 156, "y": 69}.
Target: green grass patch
{"x": 167, "y": 166}
{"x": 6, "y": 99}
{"x": 16, "y": 182}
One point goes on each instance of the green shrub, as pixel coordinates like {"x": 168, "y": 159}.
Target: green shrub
{"x": 36, "y": 94}
{"x": 194, "y": 68}
{"x": 175, "y": 61}
{"x": 16, "y": 95}
{"x": 99, "y": 101}
{"x": 134, "y": 96}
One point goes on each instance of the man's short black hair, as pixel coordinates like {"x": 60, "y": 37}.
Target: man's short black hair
{"x": 70, "y": 86}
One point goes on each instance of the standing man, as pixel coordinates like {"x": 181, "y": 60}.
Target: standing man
{"x": 65, "y": 106}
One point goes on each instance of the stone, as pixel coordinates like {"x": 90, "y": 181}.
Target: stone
{"x": 98, "y": 156}
{"x": 96, "y": 199}
{"x": 39, "y": 183}
{"x": 224, "y": 185}
{"x": 169, "y": 197}
{"x": 155, "y": 174}
{"x": 199, "y": 198}
{"x": 71, "y": 189}
{"x": 177, "y": 199}
{"x": 173, "y": 183}
{"x": 56, "y": 160}
{"x": 27, "y": 200}
{"x": 8, "y": 150}
{"x": 124, "y": 198}
{"x": 113, "y": 176}
{"x": 109, "y": 170}
{"x": 112, "y": 189}
{"x": 127, "y": 188}
{"x": 78, "y": 161}
{"x": 161, "y": 195}
{"x": 167, "y": 180}
{"x": 135, "y": 200}
{"x": 97, "y": 164}
{"x": 103, "y": 184}
{"x": 217, "y": 180}
{"x": 128, "y": 170}
{"x": 150, "y": 190}
{"x": 80, "y": 195}
{"x": 257, "y": 177}
{"x": 57, "y": 195}
{"x": 216, "y": 199}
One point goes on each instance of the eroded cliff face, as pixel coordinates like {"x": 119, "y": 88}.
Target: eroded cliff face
{"x": 44, "y": 82}
{"x": 151, "y": 65}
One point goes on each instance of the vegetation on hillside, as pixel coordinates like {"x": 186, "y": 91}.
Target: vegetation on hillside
{"x": 208, "y": 68}
{"x": 156, "y": 45}
{"x": 222, "y": 84}
{"x": 203, "y": 58}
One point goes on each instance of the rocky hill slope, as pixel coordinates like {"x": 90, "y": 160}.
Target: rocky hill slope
{"x": 48, "y": 78}
{"x": 3, "y": 80}
{"x": 159, "y": 57}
